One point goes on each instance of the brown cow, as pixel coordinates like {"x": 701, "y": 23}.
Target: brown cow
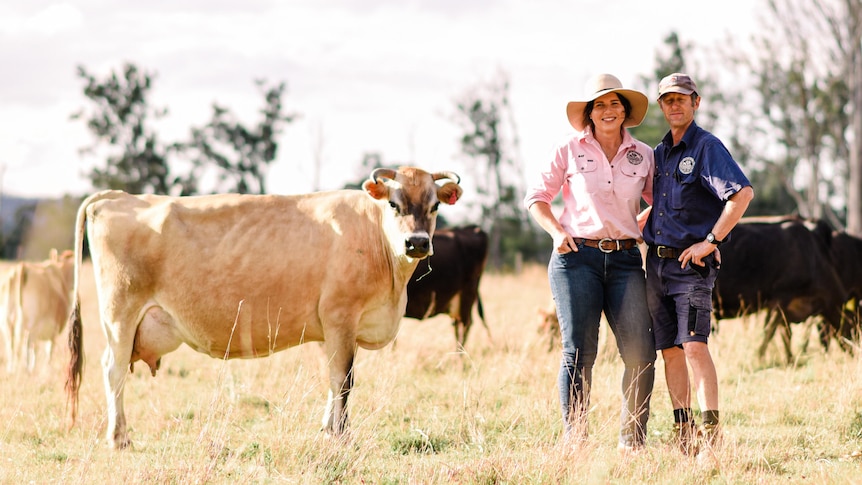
{"x": 448, "y": 281}
{"x": 243, "y": 276}
{"x": 547, "y": 323}
{"x": 35, "y": 299}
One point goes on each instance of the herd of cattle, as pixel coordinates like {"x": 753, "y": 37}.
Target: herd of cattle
{"x": 241, "y": 276}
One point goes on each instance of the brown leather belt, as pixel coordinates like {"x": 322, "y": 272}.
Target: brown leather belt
{"x": 666, "y": 252}
{"x": 608, "y": 245}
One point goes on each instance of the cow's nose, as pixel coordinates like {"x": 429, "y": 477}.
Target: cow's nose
{"x": 418, "y": 246}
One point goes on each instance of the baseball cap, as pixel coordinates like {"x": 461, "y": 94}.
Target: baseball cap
{"x": 676, "y": 83}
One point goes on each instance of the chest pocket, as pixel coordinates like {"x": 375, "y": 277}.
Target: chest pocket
{"x": 582, "y": 165}
{"x": 683, "y": 185}
{"x": 634, "y": 165}
{"x": 633, "y": 170}
{"x": 630, "y": 183}
{"x": 581, "y": 172}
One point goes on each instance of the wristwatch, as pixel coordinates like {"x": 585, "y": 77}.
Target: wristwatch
{"x": 710, "y": 238}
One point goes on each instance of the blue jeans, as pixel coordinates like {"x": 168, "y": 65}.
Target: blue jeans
{"x": 585, "y": 284}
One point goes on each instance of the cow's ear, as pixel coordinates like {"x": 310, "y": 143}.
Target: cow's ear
{"x": 449, "y": 193}
{"x": 377, "y": 190}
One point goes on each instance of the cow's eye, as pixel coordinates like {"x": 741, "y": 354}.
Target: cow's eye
{"x": 394, "y": 206}
{"x": 435, "y": 206}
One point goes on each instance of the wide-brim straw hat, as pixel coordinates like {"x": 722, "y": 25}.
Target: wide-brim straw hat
{"x": 597, "y": 87}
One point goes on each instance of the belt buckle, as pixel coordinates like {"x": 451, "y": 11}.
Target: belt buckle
{"x": 607, "y": 251}
{"x": 659, "y": 250}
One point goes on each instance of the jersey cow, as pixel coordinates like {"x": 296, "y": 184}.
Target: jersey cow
{"x": 448, "y": 281}
{"x": 243, "y": 276}
{"x": 782, "y": 265}
{"x": 35, "y": 299}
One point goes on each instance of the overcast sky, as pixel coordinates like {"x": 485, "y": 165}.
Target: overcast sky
{"x": 370, "y": 75}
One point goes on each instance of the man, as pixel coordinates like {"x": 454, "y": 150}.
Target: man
{"x": 699, "y": 194}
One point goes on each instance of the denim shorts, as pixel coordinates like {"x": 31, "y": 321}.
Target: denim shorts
{"x": 680, "y": 300}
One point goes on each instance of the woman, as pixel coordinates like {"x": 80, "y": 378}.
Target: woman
{"x": 596, "y": 265}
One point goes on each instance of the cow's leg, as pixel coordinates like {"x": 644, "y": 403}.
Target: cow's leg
{"x": 465, "y": 313}
{"x": 836, "y": 324}
{"x": 786, "y": 338}
{"x": 460, "y": 334}
{"x": 769, "y": 325}
{"x": 775, "y": 317}
{"x": 18, "y": 339}
{"x": 809, "y": 323}
{"x": 341, "y": 351}
{"x": 6, "y": 331}
{"x": 842, "y": 328}
{"x": 47, "y": 351}
{"x": 120, "y": 328}
{"x": 48, "y": 347}
{"x": 456, "y": 311}
{"x": 855, "y": 320}
{"x": 30, "y": 349}
{"x": 115, "y": 368}
{"x": 848, "y": 332}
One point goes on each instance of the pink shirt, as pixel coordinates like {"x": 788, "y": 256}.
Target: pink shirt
{"x": 600, "y": 199}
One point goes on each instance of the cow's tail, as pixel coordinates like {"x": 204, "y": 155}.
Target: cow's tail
{"x": 76, "y": 350}
{"x": 482, "y": 316}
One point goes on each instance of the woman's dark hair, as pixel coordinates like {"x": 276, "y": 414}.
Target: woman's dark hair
{"x": 588, "y": 110}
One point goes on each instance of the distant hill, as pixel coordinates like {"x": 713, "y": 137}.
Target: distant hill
{"x": 47, "y": 223}
{"x": 9, "y": 205}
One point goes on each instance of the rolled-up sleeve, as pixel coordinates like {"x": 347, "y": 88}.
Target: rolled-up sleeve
{"x": 550, "y": 181}
{"x": 721, "y": 172}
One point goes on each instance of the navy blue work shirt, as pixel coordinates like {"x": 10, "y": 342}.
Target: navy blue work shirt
{"x": 693, "y": 180}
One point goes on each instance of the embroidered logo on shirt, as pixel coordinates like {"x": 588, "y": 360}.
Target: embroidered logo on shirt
{"x": 686, "y": 165}
{"x": 634, "y": 157}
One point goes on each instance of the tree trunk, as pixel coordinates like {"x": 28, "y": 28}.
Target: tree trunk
{"x": 854, "y": 189}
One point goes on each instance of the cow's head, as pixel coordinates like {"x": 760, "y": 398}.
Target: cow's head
{"x": 413, "y": 197}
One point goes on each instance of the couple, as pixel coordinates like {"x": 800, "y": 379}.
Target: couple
{"x": 696, "y": 193}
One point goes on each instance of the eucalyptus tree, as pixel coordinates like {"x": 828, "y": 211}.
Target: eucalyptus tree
{"x": 223, "y": 155}
{"x": 241, "y": 154}
{"x": 669, "y": 58}
{"x": 120, "y": 121}
{"x": 799, "y": 103}
{"x": 490, "y": 138}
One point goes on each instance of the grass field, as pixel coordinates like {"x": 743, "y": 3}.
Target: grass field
{"x": 422, "y": 413}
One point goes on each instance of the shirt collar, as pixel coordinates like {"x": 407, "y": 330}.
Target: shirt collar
{"x": 687, "y": 138}
{"x": 628, "y": 140}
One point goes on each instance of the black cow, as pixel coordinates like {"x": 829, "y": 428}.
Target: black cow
{"x": 847, "y": 259}
{"x": 448, "y": 281}
{"x": 785, "y": 266}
